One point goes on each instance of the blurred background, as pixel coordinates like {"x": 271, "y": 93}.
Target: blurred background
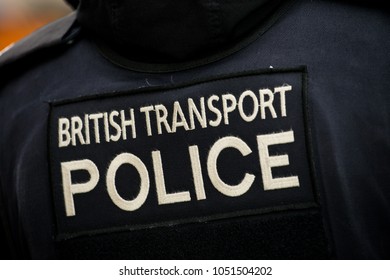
{"x": 18, "y": 18}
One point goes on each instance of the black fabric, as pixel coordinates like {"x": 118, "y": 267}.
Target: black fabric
{"x": 73, "y": 3}
{"x": 130, "y": 62}
{"x": 5, "y": 250}
{"x": 294, "y": 235}
{"x": 172, "y": 31}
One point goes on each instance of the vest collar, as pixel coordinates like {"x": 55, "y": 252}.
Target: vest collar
{"x": 172, "y": 31}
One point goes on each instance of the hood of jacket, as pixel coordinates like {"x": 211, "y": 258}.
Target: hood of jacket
{"x": 172, "y": 31}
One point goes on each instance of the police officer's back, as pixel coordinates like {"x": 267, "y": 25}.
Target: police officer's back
{"x": 199, "y": 129}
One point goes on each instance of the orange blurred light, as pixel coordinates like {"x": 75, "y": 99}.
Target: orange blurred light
{"x": 16, "y": 24}
{"x": 15, "y": 32}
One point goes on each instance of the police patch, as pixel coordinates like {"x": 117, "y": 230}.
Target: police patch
{"x": 226, "y": 147}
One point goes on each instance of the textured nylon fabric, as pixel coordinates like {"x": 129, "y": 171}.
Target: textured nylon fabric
{"x": 345, "y": 48}
{"x": 172, "y": 31}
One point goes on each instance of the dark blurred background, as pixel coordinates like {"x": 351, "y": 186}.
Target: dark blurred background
{"x": 18, "y": 18}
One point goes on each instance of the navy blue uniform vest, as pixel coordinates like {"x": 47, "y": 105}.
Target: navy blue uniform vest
{"x": 279, "y": 149}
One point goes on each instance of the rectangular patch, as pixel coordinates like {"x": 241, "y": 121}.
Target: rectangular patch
{"x": 225, "y": 147}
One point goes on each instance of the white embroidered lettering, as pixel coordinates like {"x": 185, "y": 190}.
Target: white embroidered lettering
{"x": 147, "y": 110}
{"x": 70, "y": 189}
{"x": 197, "y": 172}
{"x": 200, "y": 116}
{"x": 282, "y": 91}
{"x": 95, "y": 118}
{"x": 130, "y": 122}
{"x": 76, "y": 128}
{"x": 137, "y": 202}
{"x": 106, "y": 128}
{"x": 217, "y": 148}
{"x": 64, "y": 137}
{"x": 267, "y": 103}
{"x": 161, "y": 118}
{"x": 116, "y": 126}
{"x": 215, "y": 110}
{"x": 86, "y": 130}
{"x": 178, "y": 112}
{"x": 162, "y": 195}
{"x": 228, "y": 108}
{"x": 252, "y": 96}
{"x": 268, "y": 162}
